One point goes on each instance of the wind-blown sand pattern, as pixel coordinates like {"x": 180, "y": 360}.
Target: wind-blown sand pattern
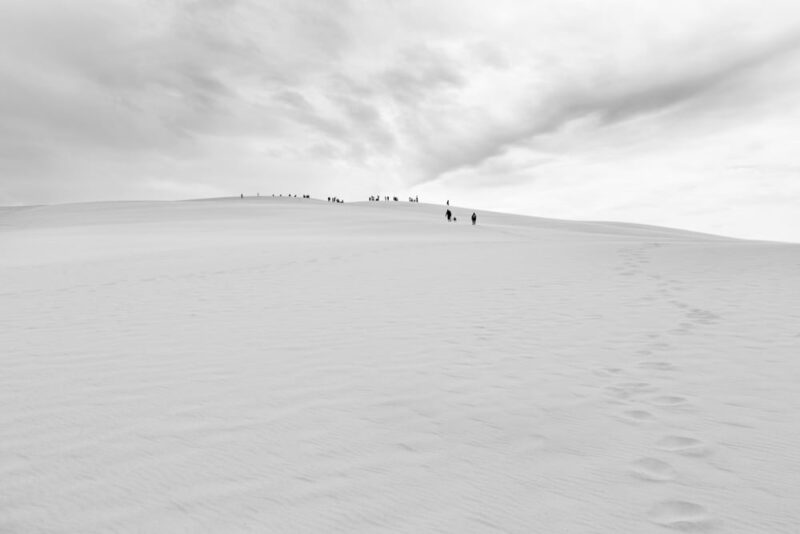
{"x": 279, "y": 365}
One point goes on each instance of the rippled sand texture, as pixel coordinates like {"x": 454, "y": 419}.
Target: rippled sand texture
{"x": 299, "y": 366}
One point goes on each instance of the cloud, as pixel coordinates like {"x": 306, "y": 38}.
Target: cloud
{"x": 110, "y": 97}
{"x": 610, "y": 99}
{"x": 419, "y": 71}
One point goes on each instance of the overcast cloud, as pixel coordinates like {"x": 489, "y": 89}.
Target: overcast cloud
{"x": 678, "y": 113}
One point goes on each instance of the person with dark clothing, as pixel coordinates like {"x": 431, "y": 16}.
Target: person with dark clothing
{"x": 448, "y": 214}
{"x": 474, "y": 218}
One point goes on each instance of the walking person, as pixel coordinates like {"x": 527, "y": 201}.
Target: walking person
{"x": 449, "y": 215}
{"x": 474, "y": 218}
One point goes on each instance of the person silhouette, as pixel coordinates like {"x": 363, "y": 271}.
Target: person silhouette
{"x": 448, "y": 214}
{"x": 474, "y": 218}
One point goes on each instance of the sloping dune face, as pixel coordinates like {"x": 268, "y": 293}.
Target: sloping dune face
{"x": 300, "y": 366}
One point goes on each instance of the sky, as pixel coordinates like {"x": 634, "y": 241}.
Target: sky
{"x": 680, "y": 113}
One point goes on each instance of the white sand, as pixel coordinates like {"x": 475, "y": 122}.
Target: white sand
{"x": 296, "y": 366}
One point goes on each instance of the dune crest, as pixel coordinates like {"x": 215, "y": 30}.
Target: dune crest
{"x": 294, "y": 365}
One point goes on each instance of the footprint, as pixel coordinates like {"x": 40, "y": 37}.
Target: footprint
{"x": 683, "y": 445}
{"x": 701, "y": 316}
{"x": 681, "y": 515}
{"x": 668, "y": 400}
{"x": 683, "y": 328}
{"x": 618, "y": 392}
{"x": 624, "y": 390}
{"x": 652, "y": 469}
{"x": 607, "y": 371}
{"x": 658, "y": 366}
{"x": 637, "y": 416}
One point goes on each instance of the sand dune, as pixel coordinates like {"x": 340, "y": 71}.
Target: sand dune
{"x": 286, "y": 365}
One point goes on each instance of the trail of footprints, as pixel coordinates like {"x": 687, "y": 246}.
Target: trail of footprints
{"x": 640, "y": 402}
{"x": 634, "y": 259}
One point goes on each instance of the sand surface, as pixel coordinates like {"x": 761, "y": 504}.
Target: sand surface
{"x": 298, "y": 366}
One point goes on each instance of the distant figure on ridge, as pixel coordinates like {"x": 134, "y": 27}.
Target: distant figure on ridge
{"x": 448, "y": 214}
{"x": 474, "y": 218}
{"x": 448, "y": 202}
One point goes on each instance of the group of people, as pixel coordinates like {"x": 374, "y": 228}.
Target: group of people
{"x": 451, "y": 217}
{"x": 241, "y": 195}
{"x": 378, "y": 198}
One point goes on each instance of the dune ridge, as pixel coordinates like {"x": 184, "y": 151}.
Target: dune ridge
{"x": 294, "y": 365}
